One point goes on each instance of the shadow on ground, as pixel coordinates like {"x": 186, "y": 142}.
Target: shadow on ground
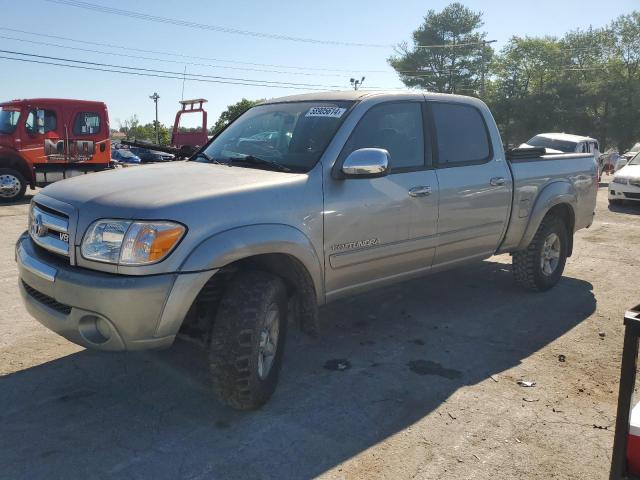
{"x": 632, "y": 208}
{"x": 151, "y": 415}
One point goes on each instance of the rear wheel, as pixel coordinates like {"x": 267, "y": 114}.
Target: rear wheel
{"x": 12, "y": 185}
{"x": 540, "y": 266}
{"x": 247, "y": 340}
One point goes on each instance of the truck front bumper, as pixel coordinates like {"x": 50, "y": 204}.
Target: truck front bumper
{"x": 100, "y": 310}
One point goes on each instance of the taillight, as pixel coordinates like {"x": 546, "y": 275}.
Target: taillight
{"x": 633, "y": 442}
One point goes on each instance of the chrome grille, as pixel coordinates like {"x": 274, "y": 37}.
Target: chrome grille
{"x": 49, "y": 229}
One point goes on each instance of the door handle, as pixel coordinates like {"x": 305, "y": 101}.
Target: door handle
{"x": 421, "y": 191}
{"x": 497, "y": 181}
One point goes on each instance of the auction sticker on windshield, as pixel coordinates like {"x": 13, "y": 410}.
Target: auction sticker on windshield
{"x": 332, "y": 112}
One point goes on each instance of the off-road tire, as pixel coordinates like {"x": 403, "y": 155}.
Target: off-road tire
{"x": 527, "y": 269}
{"x": 23, "y": 185}
{"x": 235, "y": 338}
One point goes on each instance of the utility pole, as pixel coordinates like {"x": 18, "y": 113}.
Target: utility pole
{"x": 155, "y": 98}
{"x": 356, "y": 83}
{"x": 484, "y": 67}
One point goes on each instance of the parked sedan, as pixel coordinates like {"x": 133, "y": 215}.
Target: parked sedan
{"x": 125, "y": 156}
{"x": 626, "y": 183}
{"x": 626, "y": 156}
{"x": 148, "y": 156}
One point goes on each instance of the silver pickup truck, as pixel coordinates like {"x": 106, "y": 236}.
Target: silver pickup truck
{"x": 300, "y": 201}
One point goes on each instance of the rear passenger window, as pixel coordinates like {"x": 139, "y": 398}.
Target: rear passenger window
{"x": 461, "y": 133}
{"x": 86, "y": 123}
{"x": 396, "y": 127}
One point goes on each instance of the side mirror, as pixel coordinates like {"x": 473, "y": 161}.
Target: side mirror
{"x": 366, "y": 163}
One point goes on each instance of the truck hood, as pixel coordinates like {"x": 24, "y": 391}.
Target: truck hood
{"x": 196, "y": 194}
{"x": 629, "y": 171}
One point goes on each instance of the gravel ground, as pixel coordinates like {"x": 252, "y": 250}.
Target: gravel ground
{"x": 431, "y": 390}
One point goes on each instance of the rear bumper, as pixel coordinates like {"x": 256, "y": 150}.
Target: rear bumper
{"x": 104, "y": 311}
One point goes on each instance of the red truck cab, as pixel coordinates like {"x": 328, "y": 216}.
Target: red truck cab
{"x": 43, "y": 140}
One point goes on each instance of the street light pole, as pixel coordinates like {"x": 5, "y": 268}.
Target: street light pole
{"x": 155, "y": 98}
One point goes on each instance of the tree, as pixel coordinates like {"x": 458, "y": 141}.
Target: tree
{"x": 232, "y": 112}
{"x": 147, "y": 133}
{"x": 456, "y": 63}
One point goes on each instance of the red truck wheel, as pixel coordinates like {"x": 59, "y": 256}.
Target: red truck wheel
{"x": 12, "y": 185}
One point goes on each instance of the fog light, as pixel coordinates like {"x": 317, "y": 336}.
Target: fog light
{"x": 94, "y": 329}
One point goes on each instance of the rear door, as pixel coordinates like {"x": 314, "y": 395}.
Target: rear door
{"x": 87, "y": 133}
{"x": 474, "y": 182}
{"x": 379, "y": 229}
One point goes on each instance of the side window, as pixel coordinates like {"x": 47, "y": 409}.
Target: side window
{"x": 461, "y": 133}
{"x": 396, "y": 127}
{"x": 86, "y": 123}
{"x": 40, "y": 122}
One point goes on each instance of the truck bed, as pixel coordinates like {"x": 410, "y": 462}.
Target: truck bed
{"x": 575, "y": 174}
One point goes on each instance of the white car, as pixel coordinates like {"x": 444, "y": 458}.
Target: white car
{"x": 625, "y": 157}
{"x": 564, "y": 143}
{"x": 626, "y": 183}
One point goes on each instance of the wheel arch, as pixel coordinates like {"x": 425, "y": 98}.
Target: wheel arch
{"x": 278, "y": 249}
{"x": 15, "y": 161}
{"x": 557, "y": 198}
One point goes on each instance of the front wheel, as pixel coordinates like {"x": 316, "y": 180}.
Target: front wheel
{"x": 247, "y": 340}
{"x": 12, "y": 185}
{"x": 540, "y": 266}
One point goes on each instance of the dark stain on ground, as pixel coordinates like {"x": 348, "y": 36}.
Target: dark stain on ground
{"x": 427, "y": 367}
{"x": 367, "y": 342}
{"x": 337, "y": 364}
{"x": 76, "y": 395}
{"x": 417, "y": 341}
{"x": 361, "y": 324}
{"x": 222, "y": 425}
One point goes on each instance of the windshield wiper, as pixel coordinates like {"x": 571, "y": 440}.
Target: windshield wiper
{"x": 206, "y": 157}
{"x": 259, "y": 161}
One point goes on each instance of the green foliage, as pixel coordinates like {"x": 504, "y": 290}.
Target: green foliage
{"x": 450, "y": 69}
{"x": 232, "y": 112}
{"x": 587, "y": 82}
{"x": 147, "y": 133}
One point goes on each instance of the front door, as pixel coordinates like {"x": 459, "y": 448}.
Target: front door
{"x": 40, "y": 127}
{"x": 381, "y": 229}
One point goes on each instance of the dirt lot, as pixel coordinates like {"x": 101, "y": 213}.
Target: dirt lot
{"x": 431, "y": 391}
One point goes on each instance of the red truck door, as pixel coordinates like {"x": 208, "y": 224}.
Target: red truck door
{"x": 88, "y": 136}
{"x": 40, "y": 126}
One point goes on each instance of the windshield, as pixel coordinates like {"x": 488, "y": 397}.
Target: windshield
{"x": 292, "y": 135}
{"x": 546, "y": 142}
{"x": 125, "y": 153}
{"x": 635, "y": 160}
{"x": 8, "y": 119}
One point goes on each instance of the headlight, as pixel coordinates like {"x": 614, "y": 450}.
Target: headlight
{"x": 126, "y": 242}
{"x": 620, "y": 180}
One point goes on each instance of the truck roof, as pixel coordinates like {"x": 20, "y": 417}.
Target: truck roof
{"x": 354, "y": 95}
{"x": 52, "y": 101}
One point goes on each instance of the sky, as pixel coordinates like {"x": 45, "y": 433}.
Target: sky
{"x": 232, "y": 55}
